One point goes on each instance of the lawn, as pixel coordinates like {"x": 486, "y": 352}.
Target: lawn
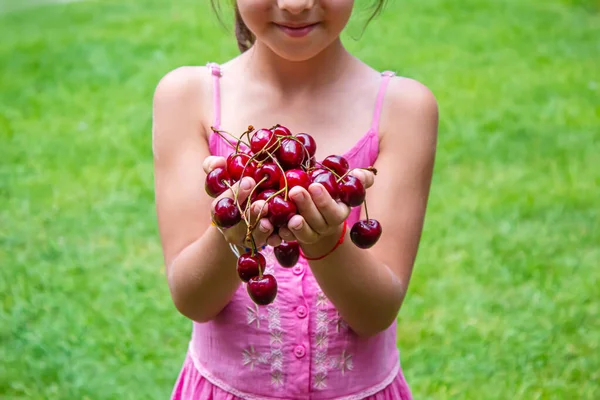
{"x": 504, "y": 298}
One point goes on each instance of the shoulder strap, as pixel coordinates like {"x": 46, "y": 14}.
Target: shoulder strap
{"x": 386, "y": 76}
{"x": 215, "y": 70}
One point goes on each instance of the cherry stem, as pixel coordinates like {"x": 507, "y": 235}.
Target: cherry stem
{"x": 220, "y": 133}
{"x": 366, "y": 209}
{"x": 330, "y": 170}
{"x": 282, "y": 170}
{"x": 235, "y": 200}
{"x": 247, "y": 133}
{"x": 264, "y": 205}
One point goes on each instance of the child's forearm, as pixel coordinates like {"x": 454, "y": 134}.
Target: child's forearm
{"x": 203, "y": 277}
{"x": 365, "y": 291}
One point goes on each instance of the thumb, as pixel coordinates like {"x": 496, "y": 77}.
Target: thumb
{"x": 212, "y": 162}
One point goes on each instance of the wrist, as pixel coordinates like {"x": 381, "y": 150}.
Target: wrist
{"x": 325, "y": 246}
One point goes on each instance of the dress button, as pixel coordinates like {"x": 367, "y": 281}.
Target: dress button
{"x": 298, "y": 269}
{"x": 301, "y": 311}
{"x": 299, "y": 351}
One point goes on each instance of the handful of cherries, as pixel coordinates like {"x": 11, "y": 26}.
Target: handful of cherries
{"x": 279, "y": 161}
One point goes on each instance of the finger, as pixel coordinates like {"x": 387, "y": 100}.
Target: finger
{"x": 274, "y": 240}
{"x": 300, "y": 230}
{"x": 308, "y": 209}
{"x": 242, "y": 188}
{"x": 333, "y": 213}
{"x": 212, "y": 162}
{"x": 286, "y": 234}
{"x": 367, "y": 178}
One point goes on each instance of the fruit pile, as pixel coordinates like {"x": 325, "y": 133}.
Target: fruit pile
{"x": 279, "y": 161}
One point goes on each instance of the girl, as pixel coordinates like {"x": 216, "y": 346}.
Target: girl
{"x": 330, "y": 333}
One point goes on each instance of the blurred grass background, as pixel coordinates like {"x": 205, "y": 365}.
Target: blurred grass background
{"x": 504, "y": 299}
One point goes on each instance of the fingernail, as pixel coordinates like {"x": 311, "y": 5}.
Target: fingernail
{"x": 297, "y": 196}
{"x": 263, "y": 227}
{"x": 297, "y": 227}
{"x": 318, "y": 190}
{"x": 246, "y": 183}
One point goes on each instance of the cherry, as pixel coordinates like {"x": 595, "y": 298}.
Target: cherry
{"x": 273, "y": 174}
{"x": 239, "y": 165}
{"x": 281, "y": 130}
{"x": 308, "y": 142}
{"x": 336, "y": 163}
{"x": 226, "y": 213}
{"x": 287, "y": 253}
{"x": 352, "y": 191}
{"x": 315, "y": 172}
{"x": 280, "y": 211}
{"x": 263, "y": 139}
{"x": 264, "y": 195}
{"x": 249, "y": 266}
{"x": 295, "y": 177}
{"x": 214, "y": 184}
{"x": 290, "y": 154}
{"x": 262, "y": 290}
{"x": 365, "y": 233}
{"x": 328, "y": 180}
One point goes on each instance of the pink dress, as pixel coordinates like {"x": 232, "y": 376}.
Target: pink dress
{"x": 298, "y": 347}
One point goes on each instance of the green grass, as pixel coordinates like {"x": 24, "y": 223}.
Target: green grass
{"x": 504, "y": 298}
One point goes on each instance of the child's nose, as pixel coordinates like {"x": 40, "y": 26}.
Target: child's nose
{"x": 295, "y": 6}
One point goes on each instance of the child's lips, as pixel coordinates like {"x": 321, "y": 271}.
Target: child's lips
{"x": 296, "y": 30}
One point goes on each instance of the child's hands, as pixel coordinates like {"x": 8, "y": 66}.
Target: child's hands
{"x": 237, "y": 234}
{"x": 320, "y": 218}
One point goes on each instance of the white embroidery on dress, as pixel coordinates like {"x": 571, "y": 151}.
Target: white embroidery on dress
{"x": 276, "y": 337}
{"x": 319, "y": 381}
{"x": 251, "y": 357}
{"x": 322, "y": 341}
{"x": 321, "y": 300}
{"x": 340, "y": 324}
{"x": 276, "y": 378}
{"x": 253, "y": 315}
{"x": 276, "y": 342}
{"x": 343, "y": 362}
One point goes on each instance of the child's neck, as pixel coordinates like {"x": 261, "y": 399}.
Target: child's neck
{"x": 318, "y": 71}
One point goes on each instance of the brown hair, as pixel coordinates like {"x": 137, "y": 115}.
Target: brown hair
{"x": 245, "y": 38}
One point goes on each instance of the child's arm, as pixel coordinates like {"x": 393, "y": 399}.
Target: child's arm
{"x": 200, "y": 265}
{"x": 368, "y": 286}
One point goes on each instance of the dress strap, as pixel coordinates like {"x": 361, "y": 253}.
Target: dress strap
{"x": 215, "y": 70}
{"x": 386, "y": 77}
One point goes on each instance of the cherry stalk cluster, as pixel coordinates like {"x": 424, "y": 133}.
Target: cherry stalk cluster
{"x": 279, "y": 161}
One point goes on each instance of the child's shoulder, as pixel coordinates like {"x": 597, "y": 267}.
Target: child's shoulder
{"x": 410, "y": 95}
{"x": 184, "y": 81}
{"x": 409, "y": 101}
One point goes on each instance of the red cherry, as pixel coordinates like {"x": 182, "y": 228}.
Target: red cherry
{"x": 280, "y": 211}
{"x": 263, "y": 139}
{"x": 214, "y": 183}
{"x": 315, "y": 172}
{"x": 249, "y": 266}
{"x": 273, "y": 174}
{"x": 352, "y": 191}
{"x": 328, "y": 180}
{"x": 295, "y": 177}
{"x": 281, "y": 130}
{"x": 264, "y": 195}
{"x": 308, "y": 142}
{"x": 240, "y": 164}
{"x": 290, "y": 154}
{"x": 226, "y": 213}
{"x": 262, "y": 290}
{"x": 365, "y": 233}
{"x": 337, "y": 164}
{"x": 287, "y": 253}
